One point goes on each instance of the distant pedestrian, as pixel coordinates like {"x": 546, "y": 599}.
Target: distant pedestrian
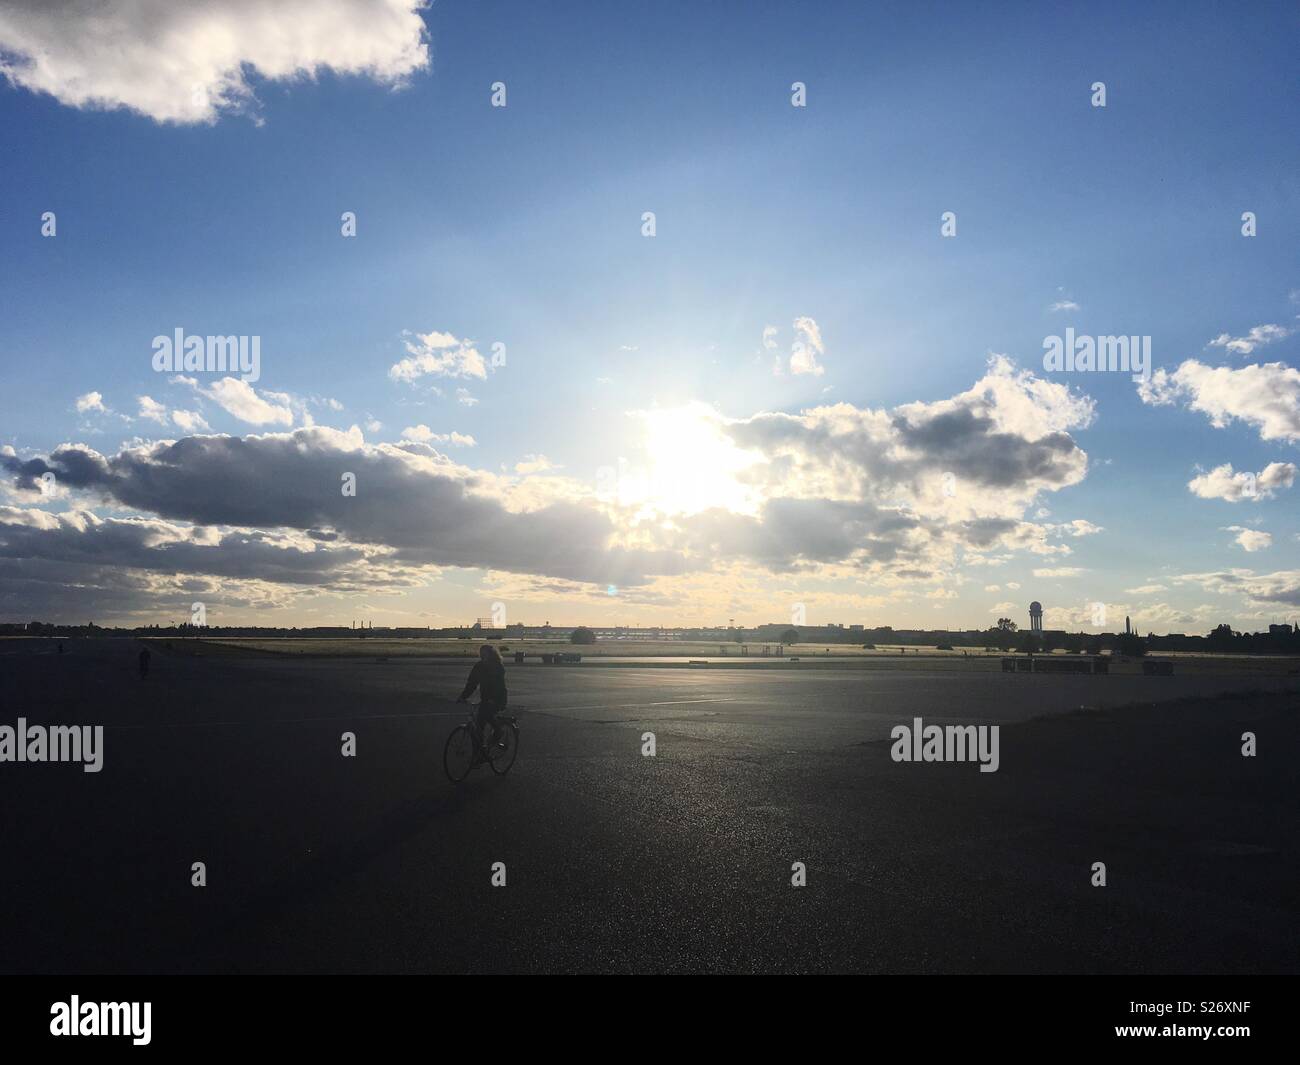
{"x": 144, "y": 663}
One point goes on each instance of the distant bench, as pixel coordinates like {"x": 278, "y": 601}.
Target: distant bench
{"x": 556, "y": 658}
{"x": 1055, "y": 664}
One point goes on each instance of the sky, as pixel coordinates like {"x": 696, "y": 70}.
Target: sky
{"x": 650, "y": 314}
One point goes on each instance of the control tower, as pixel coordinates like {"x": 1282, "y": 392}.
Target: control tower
{"x": 1035, "y": 616}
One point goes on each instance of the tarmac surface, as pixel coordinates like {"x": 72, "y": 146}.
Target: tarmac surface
{"x": 618, "y": 862}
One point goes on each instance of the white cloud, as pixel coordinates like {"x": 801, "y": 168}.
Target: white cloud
{"x": 1222, "y": 483}
{"x": 439, "y": 355}
{"x": 187, "y": 62}
{"x": 465, "y": 398}
{"x": 1264, "y": 395}
{"x": 151, "y": 409}
{"x": 422, "y": 434}
{"x": 1265, "y": 589}
{"x": 804, "y": 350}
{"x": 191, "y": 421}
{"x": 1250, "y": 539}
{"x": 534, "y": 464}
{"x": 1078, "y": 527}
{"x": 91, "y": 401}
{"x": 1060, "y": 571}
{"x": 1146, "y": 589}
{"x": 1063, "y": 305}
{"x": 1258, "y": 336}
{"x": 807, "y": 346}
{"x": 241, "y": 400}
{"x": 1152, "y": 617}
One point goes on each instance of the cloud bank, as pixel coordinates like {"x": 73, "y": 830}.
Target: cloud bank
{"x": 889, "y": 495}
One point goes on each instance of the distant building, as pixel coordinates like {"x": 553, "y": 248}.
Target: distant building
{"x": 1035, "y": 616}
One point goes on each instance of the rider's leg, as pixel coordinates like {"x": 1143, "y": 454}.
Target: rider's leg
{"x": 489, "y": 730}
{"x": 487, "y": 727}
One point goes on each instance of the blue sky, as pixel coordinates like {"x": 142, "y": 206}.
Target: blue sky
{"x": 522, "y": 225}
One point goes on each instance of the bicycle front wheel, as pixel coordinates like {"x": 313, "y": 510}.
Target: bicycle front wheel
{"x": 458, "y": 755}
{"x": 506, "y": 749}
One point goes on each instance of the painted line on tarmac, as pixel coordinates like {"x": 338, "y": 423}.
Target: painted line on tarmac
{"x": 382, "y": 717}
{"x": 289, "y": 720}
{"x": 625, "y": 706}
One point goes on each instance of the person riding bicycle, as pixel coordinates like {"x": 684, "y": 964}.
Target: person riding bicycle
{"x": 489, "y": 676}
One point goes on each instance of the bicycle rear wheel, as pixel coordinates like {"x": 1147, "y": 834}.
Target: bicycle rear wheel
{"x": 458, "y": 755}
{"x": 503, "y": 757}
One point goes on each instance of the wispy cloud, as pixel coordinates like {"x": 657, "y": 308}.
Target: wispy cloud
{"x": 1258, "y": 336}
{"x": 422, "y": 434}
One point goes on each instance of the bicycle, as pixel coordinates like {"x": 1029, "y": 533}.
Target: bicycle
{"x": 465, "y": 750}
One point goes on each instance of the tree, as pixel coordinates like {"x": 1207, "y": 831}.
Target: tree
{"x": 790, "y": 636}
{"x": 1004, "y": 636}
{"x": 582, "y": 634}
{"x": 1130, "y": 644}
{"x": 1221, "y": 639}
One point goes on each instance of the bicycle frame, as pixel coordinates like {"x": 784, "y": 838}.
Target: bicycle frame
{"x": 480, "y": 751}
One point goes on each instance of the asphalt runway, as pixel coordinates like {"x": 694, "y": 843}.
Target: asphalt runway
{"x": 617, "y": 862}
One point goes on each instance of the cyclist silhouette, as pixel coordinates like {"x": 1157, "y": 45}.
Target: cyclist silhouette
{"x": 489, "y": 676}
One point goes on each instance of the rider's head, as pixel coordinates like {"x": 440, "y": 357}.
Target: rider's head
{"x": 489, "y": 654}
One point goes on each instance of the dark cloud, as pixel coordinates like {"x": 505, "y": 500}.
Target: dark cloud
{"x": 138, "y": 544}
{"x": 1006, "y": 434}
{"x": 426, "y": 509}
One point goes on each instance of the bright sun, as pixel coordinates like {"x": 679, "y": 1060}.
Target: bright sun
{"x": 691, "y": 465}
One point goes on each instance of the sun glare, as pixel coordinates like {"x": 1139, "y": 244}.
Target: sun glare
{"x": 691, "y": 464}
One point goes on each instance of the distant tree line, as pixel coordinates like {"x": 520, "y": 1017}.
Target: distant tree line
{"x": 1003, "y": 636}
